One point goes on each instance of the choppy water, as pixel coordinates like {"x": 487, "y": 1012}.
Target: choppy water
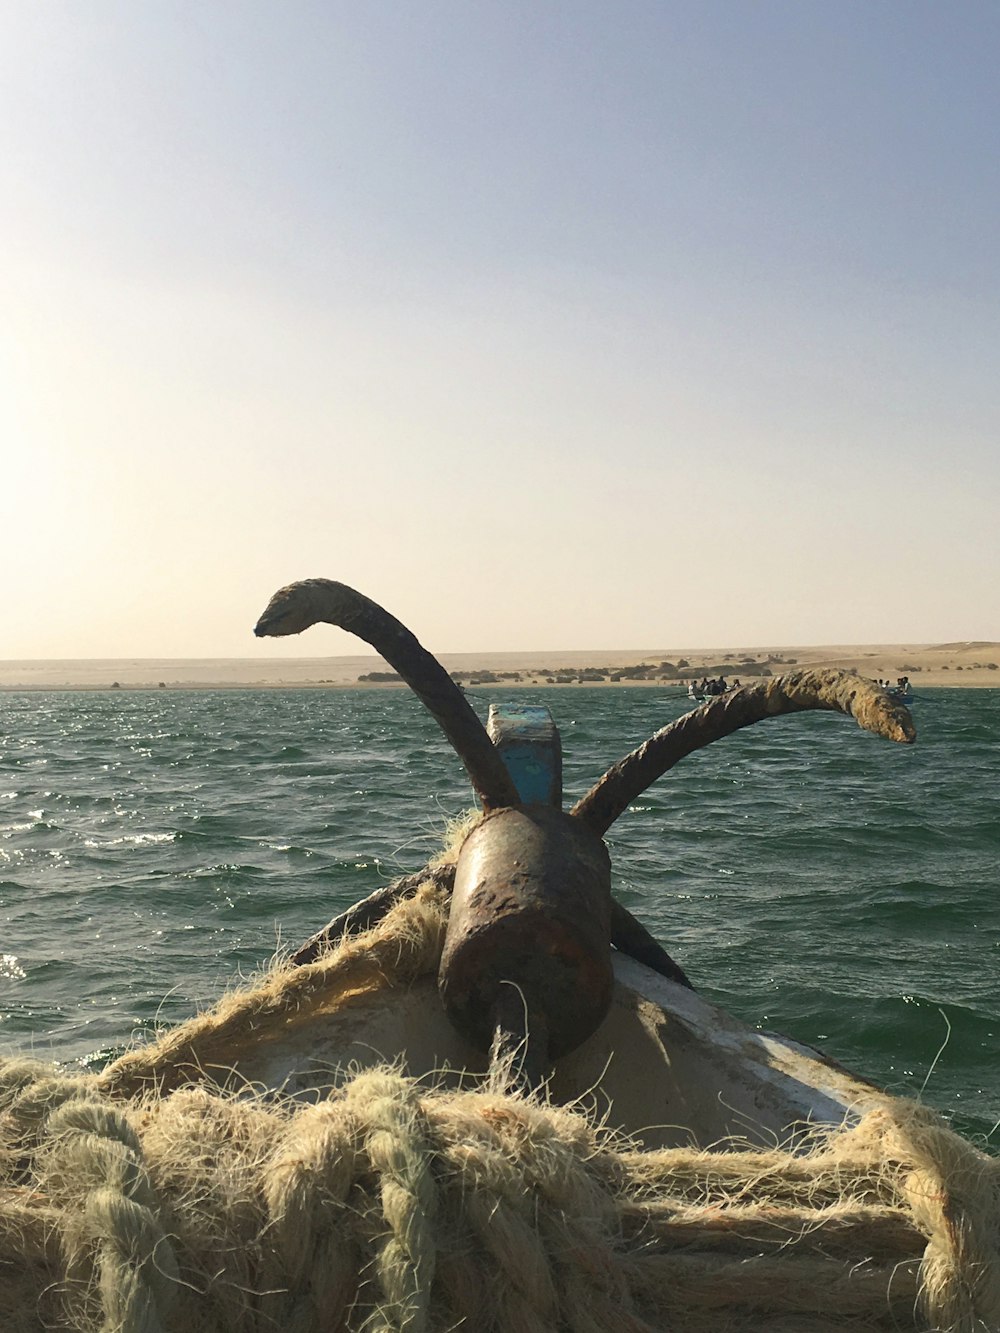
{"x": 808, "y": 876}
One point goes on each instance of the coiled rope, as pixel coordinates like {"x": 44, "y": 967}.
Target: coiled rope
{"x": 392, "y": 1206}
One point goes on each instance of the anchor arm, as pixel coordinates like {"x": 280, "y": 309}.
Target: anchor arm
{"x": 299, "y": 605}
{"x": 794, "y": 692}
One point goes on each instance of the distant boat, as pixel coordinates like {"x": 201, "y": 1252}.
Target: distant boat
{"x": 699, "y": 696}
{"x": 902, "y": 693}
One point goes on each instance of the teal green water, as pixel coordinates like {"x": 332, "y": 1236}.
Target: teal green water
{"x": 811, "y": 878}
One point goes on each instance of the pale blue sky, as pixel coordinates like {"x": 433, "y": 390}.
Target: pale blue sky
{"x": 548, "y": 325}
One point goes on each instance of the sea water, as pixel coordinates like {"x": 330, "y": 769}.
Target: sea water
{"x": 808, "y": 876}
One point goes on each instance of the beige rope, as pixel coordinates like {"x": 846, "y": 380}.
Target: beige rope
{"x": 400, "y": 1155}
{"x": 95, "y": 1169}
{"x": 307, "y": 1185}
{"x": 391, "y": 1206}
{"x": 953, "y": 1192}
{"x": 387, "y": 1206}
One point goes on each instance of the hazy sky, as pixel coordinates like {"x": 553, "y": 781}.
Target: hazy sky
{"x": 547, "y": 324}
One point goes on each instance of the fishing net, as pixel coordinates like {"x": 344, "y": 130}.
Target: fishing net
{"x": 148, "y": 1199}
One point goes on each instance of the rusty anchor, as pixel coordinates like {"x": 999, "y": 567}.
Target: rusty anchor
{"x": 526, "y": 968}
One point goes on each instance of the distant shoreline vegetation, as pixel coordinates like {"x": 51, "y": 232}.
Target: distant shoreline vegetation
{"x": 680, "y": 671}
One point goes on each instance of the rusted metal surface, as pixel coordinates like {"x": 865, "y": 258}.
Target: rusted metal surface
{"x": 628, "y": 934}
{"x": 299, "y": 605}
{"x": 519, "y": 1048}
{"x": 531, "y": 909}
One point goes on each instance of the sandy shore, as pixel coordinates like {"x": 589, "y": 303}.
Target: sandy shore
{"x": 971, "y": 664}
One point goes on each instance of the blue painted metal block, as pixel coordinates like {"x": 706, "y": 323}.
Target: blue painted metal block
{"x": 528, "y": 740}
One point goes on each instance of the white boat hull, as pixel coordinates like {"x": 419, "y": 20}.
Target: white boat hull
{"x": 665, "y": 1067}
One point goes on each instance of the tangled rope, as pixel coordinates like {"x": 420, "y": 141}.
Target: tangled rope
{"x": 148, "y": 1200}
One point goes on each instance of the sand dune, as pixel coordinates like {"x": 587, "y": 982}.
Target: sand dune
{"x": 975, "y": 663}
